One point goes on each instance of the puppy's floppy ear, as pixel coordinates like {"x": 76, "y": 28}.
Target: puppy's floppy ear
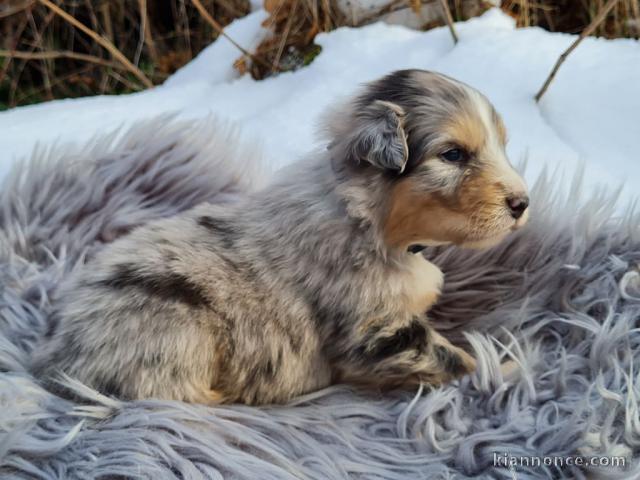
{"x": 379, "y": 137}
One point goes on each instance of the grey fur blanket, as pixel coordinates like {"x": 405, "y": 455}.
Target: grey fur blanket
{"x": 561, "y": 300}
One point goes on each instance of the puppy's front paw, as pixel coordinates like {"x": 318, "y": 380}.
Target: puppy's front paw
{"x": 445, "y": 362}
{"x": 426, "y": 284}
{"x": 454, "y": 361}
{"x": 433, "y": 276}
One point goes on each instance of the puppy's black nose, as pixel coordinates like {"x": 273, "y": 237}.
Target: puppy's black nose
{"x": 517, "y": 205}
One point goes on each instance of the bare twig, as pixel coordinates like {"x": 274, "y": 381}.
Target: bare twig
{"x": 525, "y": 7}
{"x": 449, "y": 19}
{"x": 105, "y": 11}
{"x": 10, "y": 10}
{"x": 123, "y": 80}
{"x": 92, "y": 14}
{"x": 390, "y": 7}
{"x": 184, "y": 29}
{"x": 142, "y": 4}
{"x": 145, "y": 26}
{"x": 585, "y": 33}
{"x": 327, "y": 19}
{"x": 229, "y": 7}
{"x": 19, "y": 69}
{"x": 14, "y": 43}
{"x": 37, "y": 36}
{"x": 102, "y": 41}
{"x": 283, "y": 40}
{"x": 52, "y": 55}
{"x": 218, "y": 28}
{"x": 58, "y": 82}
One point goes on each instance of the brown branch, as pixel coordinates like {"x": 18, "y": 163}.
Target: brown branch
{"x": 585, "y": 33}
{"x": 106, "y": 20}
{"x": 285, "y": 34}
{"x": 37, "y": 37}
{"x": 123, "y": 80}
{"x": 18, "y": 71}
{"x": 52, "y": 55}
{"x": 327, "y": 19}
{"x": 391, "y": 7}
{"x": 14, "y": 43}
{"x": 218, "y": 28}
{"x": 101, "y": 40}
{"x": 229, "y": 7}
{"x": 145, "y": 25}
{"x": 449, "y": 19}
{"x": 183, "y": 25}
{"x": 58, "y": 81}
{"x": 9, "y": 10}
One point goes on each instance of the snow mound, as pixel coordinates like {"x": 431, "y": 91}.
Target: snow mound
{"x": 589, "y": 115}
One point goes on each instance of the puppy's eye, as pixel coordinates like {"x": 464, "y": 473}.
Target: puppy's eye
{"x": 455, "y": 155}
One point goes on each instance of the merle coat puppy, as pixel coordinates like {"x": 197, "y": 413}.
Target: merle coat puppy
{"x": 314, "y": 280}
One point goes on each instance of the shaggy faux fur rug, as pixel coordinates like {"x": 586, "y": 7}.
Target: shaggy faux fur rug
{"x": 561, "y": 300}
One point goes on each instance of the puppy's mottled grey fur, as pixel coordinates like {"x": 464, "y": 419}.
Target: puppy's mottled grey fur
{"x": 311, "y": 280}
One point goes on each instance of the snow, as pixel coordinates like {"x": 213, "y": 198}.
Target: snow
{"x": 215, "y": 64}
{"x": 590, "y": 114}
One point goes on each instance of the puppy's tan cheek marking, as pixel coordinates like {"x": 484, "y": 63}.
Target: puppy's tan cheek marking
{"x": 480, "y": 195}
{"x": 481, "y": 198}
{"x": 414, "y": 216}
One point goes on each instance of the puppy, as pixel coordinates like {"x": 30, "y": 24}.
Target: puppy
{"x": 315, "y": 280}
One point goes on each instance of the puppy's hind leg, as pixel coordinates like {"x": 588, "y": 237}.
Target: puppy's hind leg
{"x": 444, "y": 361}
{"x": 409, "y": 355}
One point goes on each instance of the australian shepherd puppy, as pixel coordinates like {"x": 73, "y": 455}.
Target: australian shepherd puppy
{"x": 314, "y": 280}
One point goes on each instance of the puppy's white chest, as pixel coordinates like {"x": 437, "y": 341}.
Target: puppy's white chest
{"x": 422, "y": 284}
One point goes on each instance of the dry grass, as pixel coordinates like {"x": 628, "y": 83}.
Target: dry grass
{"x": 295, "y": 23}
{"x": 68, "y": 48}
{"x": 573, "y": 16}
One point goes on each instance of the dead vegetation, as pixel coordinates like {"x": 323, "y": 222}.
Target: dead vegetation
{"x": 68, "y": 48}
{"x": 294, "y": 24}
{"x": 573, "y": 16}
